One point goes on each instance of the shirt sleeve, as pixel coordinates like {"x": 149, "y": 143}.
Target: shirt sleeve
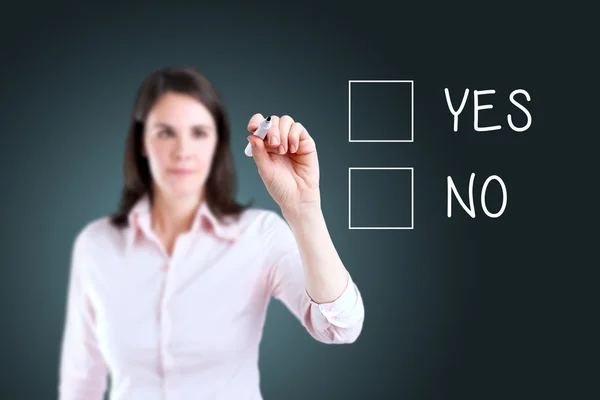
{"x": 337, "y": 322}
{"x": 83, "y": 372}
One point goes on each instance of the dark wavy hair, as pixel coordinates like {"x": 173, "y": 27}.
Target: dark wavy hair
{"x": 221, "y": 184}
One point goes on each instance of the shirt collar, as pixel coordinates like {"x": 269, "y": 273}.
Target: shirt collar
{"x": 204, "y": 219}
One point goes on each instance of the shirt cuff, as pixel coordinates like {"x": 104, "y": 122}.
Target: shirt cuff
{"x": 346, "y": 302}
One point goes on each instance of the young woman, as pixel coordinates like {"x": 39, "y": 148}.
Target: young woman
{"x": 169, "y": 294}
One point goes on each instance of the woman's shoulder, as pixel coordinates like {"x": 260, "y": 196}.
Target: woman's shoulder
{"x": 97, "y": 231}
{"x": 100, "y": 231}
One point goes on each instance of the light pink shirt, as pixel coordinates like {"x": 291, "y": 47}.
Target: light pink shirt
{"x": 188, "y": 326}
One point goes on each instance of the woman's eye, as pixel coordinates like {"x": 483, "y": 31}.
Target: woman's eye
{"x": 200, "y": 133}
{"x": 163, "y": 133}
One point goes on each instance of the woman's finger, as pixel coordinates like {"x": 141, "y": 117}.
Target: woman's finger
{"x": 272, "y": 137}
{"x": 285, "y": 124}
{"x": 294, "y": 136}
{"x": 255, "y": 122}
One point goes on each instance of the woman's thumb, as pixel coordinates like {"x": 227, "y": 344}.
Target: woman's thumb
{"x": 259, "y": 152}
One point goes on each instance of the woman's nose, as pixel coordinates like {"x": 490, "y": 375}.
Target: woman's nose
{"x": 183, "y": 149}
{"x": 182, "y": 154}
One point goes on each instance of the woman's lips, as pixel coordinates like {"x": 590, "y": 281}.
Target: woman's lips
{"x": 181, "y": 171}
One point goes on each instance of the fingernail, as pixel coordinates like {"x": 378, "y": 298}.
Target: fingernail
{"x": 281, "y": 149}
{"x": 293, "y": 148}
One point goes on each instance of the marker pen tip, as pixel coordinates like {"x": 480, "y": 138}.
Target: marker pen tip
{"x": 268, "y": 118}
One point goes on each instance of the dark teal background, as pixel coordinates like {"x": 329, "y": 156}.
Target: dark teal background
{"x": 456, "y": 308}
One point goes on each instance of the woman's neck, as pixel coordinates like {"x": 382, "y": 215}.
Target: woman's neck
{"x": 173, "y": 215}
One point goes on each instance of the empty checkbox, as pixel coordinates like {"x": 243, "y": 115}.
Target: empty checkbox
{"x": 381, "y": 198}
{"x": 381, "y": 111}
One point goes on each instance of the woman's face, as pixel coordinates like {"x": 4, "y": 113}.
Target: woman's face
{"x": 179, "y": 141}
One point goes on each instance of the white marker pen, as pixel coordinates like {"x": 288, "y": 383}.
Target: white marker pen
{"x": 261, "y": 132}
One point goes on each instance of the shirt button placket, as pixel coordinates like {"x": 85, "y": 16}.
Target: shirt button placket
{"x": 165, "y": 328}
